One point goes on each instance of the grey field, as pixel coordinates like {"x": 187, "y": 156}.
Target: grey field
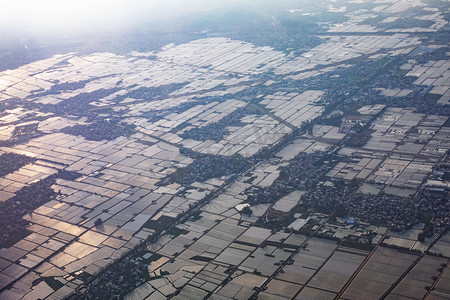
{"x": 304, "y": 159}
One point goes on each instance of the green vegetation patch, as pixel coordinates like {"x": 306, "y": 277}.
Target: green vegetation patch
{"x": 10, "y": 162}
{"x": 15, "y": 238}
{"x": 359, "y": 139}
{"x": 159, "y": 225}
{"x": 208, "y": 167}
{"x": 53, "y": 283}
{"x": 177, "y": 231}
{"x": 101, "y": 130}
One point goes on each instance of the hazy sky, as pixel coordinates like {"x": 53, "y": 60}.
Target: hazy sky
{"x": 81, "y": 15}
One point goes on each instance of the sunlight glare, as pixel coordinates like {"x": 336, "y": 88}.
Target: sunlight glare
{"x": 62, "y": 15}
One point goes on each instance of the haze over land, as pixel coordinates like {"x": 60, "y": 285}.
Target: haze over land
{"x": 225, "y": 150}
